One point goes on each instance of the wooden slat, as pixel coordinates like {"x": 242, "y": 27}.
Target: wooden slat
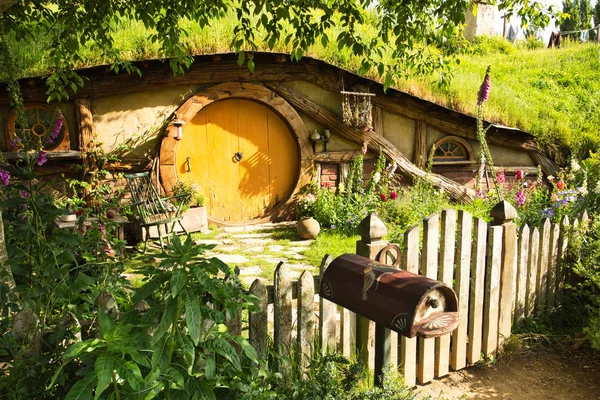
{"x": 347, "y": 333}
{"x": 507, "y": 281}
{"x": 425, "y": 369}
{"x": 492, "y": 290}
{"x": 458, "y": 358}
{"x": 282, "y": 336}
{"x": 258, "y": 320}
{"x": 306, "y": 318}
{"x": 420, "y": 152}
{"x": 476, "y": 291}
{"x": 542, "y": 278}
{"x": 552, "y": 265}
{"x": 532, "y": 272}
{"x": 523, "y": 258}
{"x": 408, "y": 347}
{"x": 563, "y": 243}
{"x": 445, "y": 274}
{"x": 327, "y": 315}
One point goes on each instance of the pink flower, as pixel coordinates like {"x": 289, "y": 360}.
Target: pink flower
{"x": 326, "y": 184}
{"x": 484, "y": 89}
{"x": 520, "y": 198}
{"x": 393, "y": 195}
{"x": 41, "y": 158}
{"x": 519, "y": 174}
{"x": 4, "y": 177}
{"x": 560, "y": 185}
{"x": 501, "y": 177}
{"x": 365, "y": 147}
{"x": 16, "y": 143}
{"x": 383, "y": 197}
{"x": 57, "y": 126}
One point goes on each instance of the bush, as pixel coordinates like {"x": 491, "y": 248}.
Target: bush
{"x": 187, "y": 194}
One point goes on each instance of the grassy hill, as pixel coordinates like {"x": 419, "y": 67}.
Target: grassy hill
{"x": 552, "y": 93}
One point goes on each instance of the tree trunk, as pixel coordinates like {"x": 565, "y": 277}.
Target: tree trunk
{"x": 406, "y": 168}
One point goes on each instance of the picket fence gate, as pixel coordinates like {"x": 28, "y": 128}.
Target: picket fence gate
{"x": 499, "y": 275}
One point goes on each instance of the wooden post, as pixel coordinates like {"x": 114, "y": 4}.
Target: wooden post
{"x": 258, "y": 320}
{"x": 523, "y": 257}
{"x": 458, "y": 358}
{"x": 327, "y": 315}
{"x": 477, "y": 291}
{"x": 408, "y": 346}
{"x": 371, "y": 231}
{"x": 306, "y": 319}
{"x": 492, "y": 290}
{"x": 445, "y": 274}
{"x": 504, "y": 213}
{"x": 420, "y": 154}
{"x": 542, "y": 278}
{"x": 425, "y": 370}
{"x": 282, "y": 309}
{"x": 85, "y": 131}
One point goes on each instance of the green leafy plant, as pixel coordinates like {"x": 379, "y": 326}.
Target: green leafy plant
{"x": 188, "y": 194}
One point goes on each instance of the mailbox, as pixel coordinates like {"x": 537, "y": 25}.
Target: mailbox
{"x": 401, "y": 301}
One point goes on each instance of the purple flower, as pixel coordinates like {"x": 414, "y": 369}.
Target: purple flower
{"x": 41, "y": 158}
{"x": 4, "y": 177}
{"x": 24, "y": 194}
{"x": 548, "y": 212}
{"x": 484, "y": 89}
{"x": 15, "y": 142}
{"x": 57, "y": 126}
{"x": 521, "y": 197}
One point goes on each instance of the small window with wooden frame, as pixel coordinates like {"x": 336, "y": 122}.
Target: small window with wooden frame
{"x": 453, "y": 150}
{"x": 40, "y": 123}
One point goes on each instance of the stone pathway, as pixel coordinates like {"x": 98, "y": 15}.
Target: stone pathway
{"x": 257, "y": 250}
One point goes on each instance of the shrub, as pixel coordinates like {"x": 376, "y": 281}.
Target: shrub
{"x": 187, "y": 194}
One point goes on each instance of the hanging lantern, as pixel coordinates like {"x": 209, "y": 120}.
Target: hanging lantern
{"x": 178, "y": 124}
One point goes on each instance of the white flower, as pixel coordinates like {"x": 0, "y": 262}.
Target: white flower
{"x": 575, "y": 165}
{"x": 550, "y": 178}
{"x": 597, "y": 188}
{"x": 377, "y": 177}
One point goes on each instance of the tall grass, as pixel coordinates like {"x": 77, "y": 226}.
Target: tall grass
{"x": 552, "y": 93}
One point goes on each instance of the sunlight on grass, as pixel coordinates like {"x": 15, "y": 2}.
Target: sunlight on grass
{"x": 331, "y": 243}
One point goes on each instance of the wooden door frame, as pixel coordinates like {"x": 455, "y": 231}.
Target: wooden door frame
{"x": 231, "y": 90}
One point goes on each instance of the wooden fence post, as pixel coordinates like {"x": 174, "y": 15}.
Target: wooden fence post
{"x": 282, "y": 309}
{"x": 458, "y": 358}
{"x": 477, "y": 291}
{"x": 372, "y": 230}
{"x": 408, "y": 346}
{"x": 306, "y": 318}
{"x": 327, "y": 315}
{"x": 425, "y": 370}
{"x": 504, "y": 213}
{"x": 258, "y": 320}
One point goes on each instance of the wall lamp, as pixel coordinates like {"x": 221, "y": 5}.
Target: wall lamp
{"x": 178, "y": 124}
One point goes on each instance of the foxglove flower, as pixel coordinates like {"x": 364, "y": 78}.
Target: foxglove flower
{"x": 57, "y": 126}
{"x": 501, "y": 177}
{"x": 41, "y": 158}
{"x": 521, "y": 197}
{"x": 4, "y": 177}
{"x": 484, "y": 89}
{"x": 383, "y": 197}
{"x": 519, "y": 174}
{"x": 393, "y": 195}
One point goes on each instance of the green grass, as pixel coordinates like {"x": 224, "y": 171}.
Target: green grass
{"x": 331, "y": 243}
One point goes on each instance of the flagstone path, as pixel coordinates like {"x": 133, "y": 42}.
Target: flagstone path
{"x": 257, "y": 250}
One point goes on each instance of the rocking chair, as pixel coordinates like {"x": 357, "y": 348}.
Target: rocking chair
{"x": 152, "y": 210}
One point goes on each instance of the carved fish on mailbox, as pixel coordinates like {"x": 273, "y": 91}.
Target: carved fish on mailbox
{"x": 404, "y": 302}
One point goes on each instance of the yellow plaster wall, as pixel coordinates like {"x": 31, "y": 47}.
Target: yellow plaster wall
{"x": 135, "y": 119}
{"x": 330, "y": 101}
{"x": 400, "y": 131}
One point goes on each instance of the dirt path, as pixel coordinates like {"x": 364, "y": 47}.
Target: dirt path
{"x": 539, "y": 375}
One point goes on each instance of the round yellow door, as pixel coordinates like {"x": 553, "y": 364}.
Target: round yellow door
{"x": 243, "y": 157}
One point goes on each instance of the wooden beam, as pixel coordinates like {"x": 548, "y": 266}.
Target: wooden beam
{"x": 340, "y": 156}
{"x": 375, "y": 140}
{"x": 452, "y": 122}
{"x": 420, "y": 152}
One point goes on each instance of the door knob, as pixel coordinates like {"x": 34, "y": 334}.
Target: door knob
{"x": 237, "y": 156}
{"x": 189, "y": 167}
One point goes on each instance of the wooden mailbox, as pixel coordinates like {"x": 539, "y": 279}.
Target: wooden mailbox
{"x": 401, "y": 301}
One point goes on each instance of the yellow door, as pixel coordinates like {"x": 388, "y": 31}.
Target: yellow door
{"x": 245, "y": 189}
